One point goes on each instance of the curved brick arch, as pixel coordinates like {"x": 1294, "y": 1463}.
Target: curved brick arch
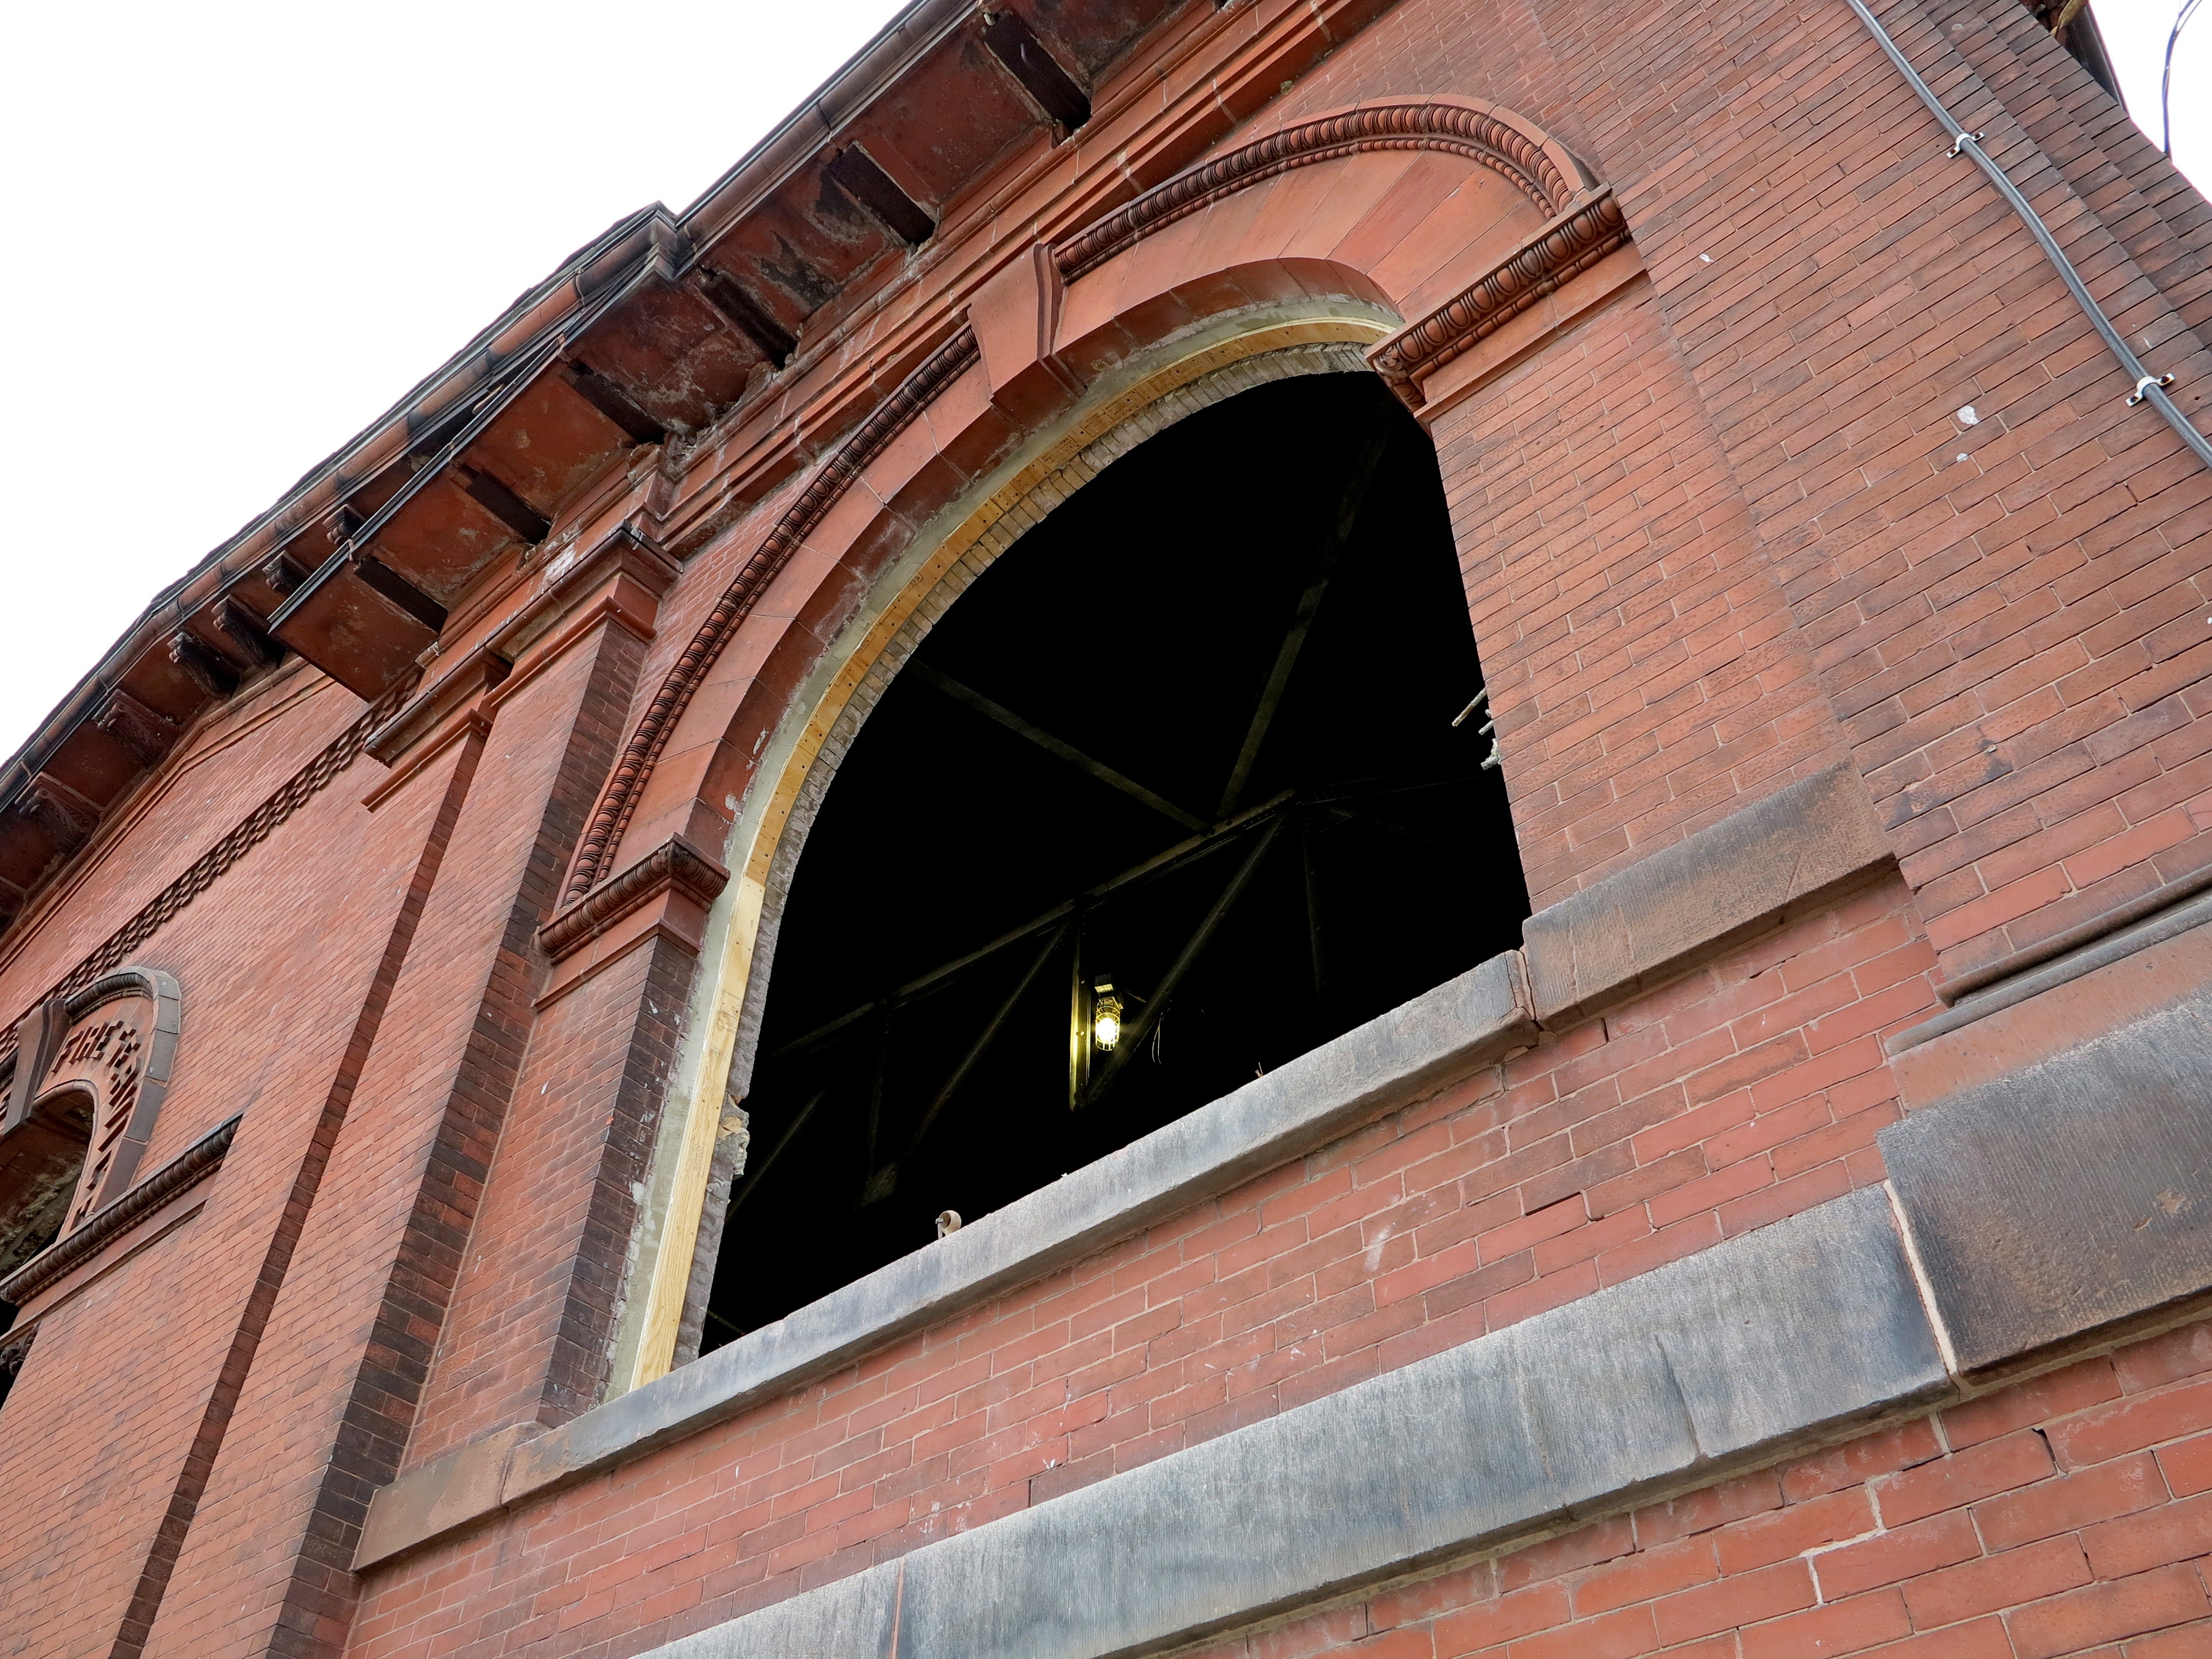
{"x": 886, "y": 653}
{"x": 793, "y": 764}
{"x": 1448, "y": 211}
{"x": 1330, "y": 234}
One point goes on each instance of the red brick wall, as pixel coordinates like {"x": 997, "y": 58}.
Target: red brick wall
{"x": 525, "y": 1339}
{"x": 235, "y": 761}
{"x": 2156, "y": 214}
{"x": 2012, "y": 643}
{"x": 129, "y": 1380}
{"x": 324, "y": 1413}
{"x": 1646, "y": 674}
{"x": 1746, "y": 1092}
{"x": 2069, "y": 1515}
{"x": 1713, "y": 535}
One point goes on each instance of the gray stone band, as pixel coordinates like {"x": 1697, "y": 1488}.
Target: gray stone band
{"x": 1810, "y": 1322}
{"x": 1464, "y": 1024}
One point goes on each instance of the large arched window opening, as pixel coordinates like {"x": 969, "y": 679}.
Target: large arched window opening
{"x": 1187, "y": 752}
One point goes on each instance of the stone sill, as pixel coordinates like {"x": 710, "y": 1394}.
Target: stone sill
{"x": 1809, "y": 1326}
{"x": 1463, "y": 1025}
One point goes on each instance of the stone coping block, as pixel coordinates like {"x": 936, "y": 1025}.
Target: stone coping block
{"x": 2056, "y": 1166}
{"x": 1810, "y": 1322}
{"x": 1805, "y": 842}
{"x": 1435, "y": 1039}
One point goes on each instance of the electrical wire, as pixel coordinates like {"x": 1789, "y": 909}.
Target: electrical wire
{"x": 2166, "y": 78}
{"x": 2148, "y": 388}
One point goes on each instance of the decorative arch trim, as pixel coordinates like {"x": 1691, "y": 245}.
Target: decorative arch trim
{"x": 123, "y": 1061}
{"x": 1543, "y": 170}
{"x": 661, "y": 1325}
{"x": 611, "y": 816}
{"x": 1541, "y": 167}
{"x": 1592, "y": 228}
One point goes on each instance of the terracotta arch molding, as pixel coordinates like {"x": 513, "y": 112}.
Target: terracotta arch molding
{"x": 1583, "y": 223}
{"x": 1540, "y": 166}
{"x": 114, "y": 1042}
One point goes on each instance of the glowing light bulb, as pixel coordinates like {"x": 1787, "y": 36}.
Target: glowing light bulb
{"x": 1105, "y": 1016}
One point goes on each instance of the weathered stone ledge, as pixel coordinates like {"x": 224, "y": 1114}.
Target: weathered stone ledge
{"x": 1686, "y": 903}
{"x": 1813, "y": 1322}
{"x": 1437, "y": 1038}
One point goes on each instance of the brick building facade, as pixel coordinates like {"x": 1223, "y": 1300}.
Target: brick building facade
{"x": 1704, "y": 1155}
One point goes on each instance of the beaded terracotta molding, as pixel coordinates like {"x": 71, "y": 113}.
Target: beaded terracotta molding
{"x": 675, "y": 864}
{"x": 1543, "y": 170}
{"x": 1571, "y": 244}
{"x": 187, "y": 1169}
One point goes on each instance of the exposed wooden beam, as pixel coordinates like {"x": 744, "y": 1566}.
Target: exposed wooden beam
{"x": 381, "y": 578}
{"x": 1045, "y": 740}
{"x": 1294, "y": 638}
{"x": 752, "y": 319}
{"x": 528, "y": 523}
{"x": 1313, "y": 899}
{"x": 1175, "y": 858}
{"x": 1015, "y": 44}
{"x": 611, "y": 401}
{"x": 754, "y": 1177}
{"x": 858, "y": 174}
{"x": 1391, "y": 826}
{"x": 984, "y": 1041}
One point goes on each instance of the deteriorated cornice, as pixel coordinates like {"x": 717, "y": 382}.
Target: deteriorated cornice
{"x": 357, "y": 566}
{"x": 1544, "y": 171}
{"x": 674, "y": 866}
{"x": 1592, "y": 228}
{"x": 658, "y": 328}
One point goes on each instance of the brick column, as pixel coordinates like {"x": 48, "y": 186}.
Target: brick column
{"x": 324, "y": 1414}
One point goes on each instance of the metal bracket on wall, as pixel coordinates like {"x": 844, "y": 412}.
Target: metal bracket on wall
{"x": 1488, "y": 728}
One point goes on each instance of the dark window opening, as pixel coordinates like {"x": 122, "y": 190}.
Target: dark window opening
{"x": 1188, "y": 748}
{"x": 40, "y": 1160}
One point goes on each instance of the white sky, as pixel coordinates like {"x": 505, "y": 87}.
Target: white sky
{"x": 243, "y": 230}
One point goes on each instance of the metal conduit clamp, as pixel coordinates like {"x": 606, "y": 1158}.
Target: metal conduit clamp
{"x": 2144, "y": 385}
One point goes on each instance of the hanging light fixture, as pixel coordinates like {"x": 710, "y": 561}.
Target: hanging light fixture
{"x": 1105, "y": 1015}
